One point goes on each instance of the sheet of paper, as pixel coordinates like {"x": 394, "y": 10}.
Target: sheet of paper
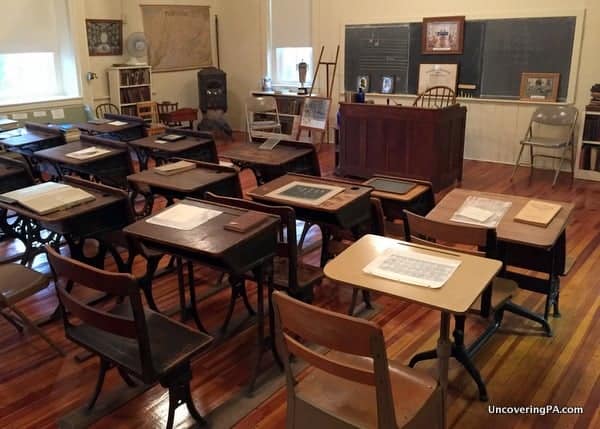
{"x": 87, "y": 153}
{"x": 183, "y": 216}
{"x": 474, "y": 211}
{"x": 406, "y": 265}
{"x": 159, "y": 141}
{"x": 117, "y": 123}
{"x": 57, "y": 113}
{"x": 20, "y": 116}
{"x": 39, "y": 114}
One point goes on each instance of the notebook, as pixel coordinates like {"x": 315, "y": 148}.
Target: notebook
{"x": 538, "y": 213}
{"x": 174, "y": 168}
{"x": 245, "y": 222}
{"x": 87, "y": 153}
{"x": 172, "y": 137}
{"x": 49, "y": 197}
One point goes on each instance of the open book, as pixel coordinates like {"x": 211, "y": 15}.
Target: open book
{"x": 49, "y": 197}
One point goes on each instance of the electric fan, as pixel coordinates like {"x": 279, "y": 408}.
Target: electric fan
{"x": 136, "y": 48}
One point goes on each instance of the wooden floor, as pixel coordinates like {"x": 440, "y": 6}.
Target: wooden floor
{"x": 520, "y": 366}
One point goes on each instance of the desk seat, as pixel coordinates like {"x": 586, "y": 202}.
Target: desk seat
{"x": 351, "y": 404}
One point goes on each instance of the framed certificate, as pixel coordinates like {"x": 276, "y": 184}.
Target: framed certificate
{"x": 431, "y": 75}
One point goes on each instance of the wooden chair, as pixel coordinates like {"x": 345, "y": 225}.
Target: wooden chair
{"x": 19, "y": 282}
{"x": 290, "y": 274}
{"x": 166, "y": 107}
{"x": 148, "y": 111}
{"x": 496, "y": 299}
{"x": 436, "y": 97}
{"x": 137, "y": 341}
{"x": 541, "y": 134}
{"x": 103, "y": 108}
{"x": 355, "y": 385}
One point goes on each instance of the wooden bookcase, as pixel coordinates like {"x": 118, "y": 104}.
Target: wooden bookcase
{"x": 129, "y": 85}
{"x": 587, "y": 163}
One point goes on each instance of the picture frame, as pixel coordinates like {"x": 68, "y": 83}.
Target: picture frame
{"x": 387, "y": 84}
{"x": 315, "y": 112}
{"x": 539, "y": 86}
{"x": 431, "y": 75}
{"x": 104, "y": 36}
{"x": 443, "y": 35}
{"x": 362, "y": 81}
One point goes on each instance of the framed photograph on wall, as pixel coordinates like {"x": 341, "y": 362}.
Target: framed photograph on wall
{"x": 104, "y": 36}
{"x": 431, "y": 75}
{"x": 539, "y": 86}
{"x": 362, "y": 81}
{"x": 387, "y": 84}
{"x": 443, "y": 35}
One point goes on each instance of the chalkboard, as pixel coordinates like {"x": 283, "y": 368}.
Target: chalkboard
{"x": 514, "y": 46}
{"x": 496, "y": 52}
{"x": 377, "y": 51}
{"x": 469, "y": 63}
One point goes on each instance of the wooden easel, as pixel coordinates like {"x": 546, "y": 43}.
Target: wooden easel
{"x": 329, "y": 80}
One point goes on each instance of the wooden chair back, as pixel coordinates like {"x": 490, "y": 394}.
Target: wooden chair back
{"x": 167, "y": 107}
{"x": 148, "y": 111}
{"x": 103, "y": 108}
{"x": 436, "y": 97}
{"x": 298, "y": 323}
{"x": 287, "y": 246}
{"x": 377, "y": 217}
{"x": 470, "y": 239}
{"x": 121, "y": 285}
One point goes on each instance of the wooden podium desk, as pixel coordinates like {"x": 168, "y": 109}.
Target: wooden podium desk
{"x": 412, "y": 142}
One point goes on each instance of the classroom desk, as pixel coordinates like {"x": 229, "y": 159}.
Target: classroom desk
{"x": 190, "y": 147}
{"x": 13, "y": 176}
{"x": 108, "y": 167}
{"x": 132, "y": 129}
{"x": 455, "y": 297}
{"x": 206, "y": 177}
{"x": 287, "y": 156}
{"x": 75, "y": 224}
{"x": 107, "y": 128}
{"x": 522, "y": 245}
{"x": 212, "y": 245}
{"x": 347, "y": 210}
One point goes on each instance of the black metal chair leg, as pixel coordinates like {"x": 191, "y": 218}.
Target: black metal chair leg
{"x": 353, "y": 302}
{"x": 189, "y": 403}
{"x": 427, "y": 355}
{"x": 126, "y": 378}
{"x": 244, "y": 295}
{"x": 104, "y": 367}
{"x": 230, "y": 308}
{"x": 367, "y": 299}
{"x": 146, "y": 282}
{"x": 193, "y": 308}
{"x": 520, "y": 311}
{"x": 12, "y": 321}
{"x": 463, "y": 357}
{"x": 172, "y": 407}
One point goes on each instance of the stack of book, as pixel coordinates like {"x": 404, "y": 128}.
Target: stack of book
{"x": 8, "y": 124}
{"x": 70, "y": 132}
{"x": 595, "y": 101}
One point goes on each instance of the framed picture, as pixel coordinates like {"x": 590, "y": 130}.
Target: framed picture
{"x": 362, "y": 81}
{"x": 437, "y": 75}
{"x": 539, "y": 86}
{"x": 315, "y": 111}
{"x": 443, "y": 35}
{"x": 387, "y": 84}
{"x": 104, "y": 36}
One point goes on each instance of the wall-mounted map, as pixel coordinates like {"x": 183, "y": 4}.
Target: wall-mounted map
{"x": 178, "y": 36}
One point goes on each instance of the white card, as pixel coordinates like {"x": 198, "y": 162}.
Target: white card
{"x": 57, "y": 113}
{"x": 19, "y": 116}
{"x": 39, "y": 113}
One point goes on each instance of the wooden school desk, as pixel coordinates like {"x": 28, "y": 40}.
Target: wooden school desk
{"x": 347, "y": 210}
{"x": 190, "y": 147}
{"x": 211, "y": 245}
{"x": 522, "y": 245}
{"x": 287, "y": 156}
{"x": 132, "y": 129}
{"x": 455, "y": 297}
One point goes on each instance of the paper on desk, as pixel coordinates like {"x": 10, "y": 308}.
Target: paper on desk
{"x": 87, "y": 153}
{"x": 183, "y": 216}
{"x": 481, "y": 211}
{"x": 117, "y": 123}
{"x": 404, "y": 264}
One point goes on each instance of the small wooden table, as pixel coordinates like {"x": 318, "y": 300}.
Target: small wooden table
{"x": 455, "y": 297}
{"x": 108, "y": 167}
{"x": 190, "y": 147}
{"x": 347, "y": 210}
{"x": 212, "y": 245}
{"x": 287, "y": 156}
{"x": 522, "y": 245}
{"x": 206, "y": 177}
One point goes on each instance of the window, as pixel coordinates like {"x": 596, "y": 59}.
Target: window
{"x": 37, "y": 60}
{"x": 28, "y": 76}
{"x": 289, "y": 41}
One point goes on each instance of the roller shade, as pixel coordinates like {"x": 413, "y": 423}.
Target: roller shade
{"x": 290, "y": 23}
{"x": 29, "y": 26}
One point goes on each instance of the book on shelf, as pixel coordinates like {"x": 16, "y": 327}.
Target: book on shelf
{"x": 538, "y": 213}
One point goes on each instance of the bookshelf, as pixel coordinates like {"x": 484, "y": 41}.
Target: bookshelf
{"x": 129, "y": 85}
{"x": 588, "y": 157}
